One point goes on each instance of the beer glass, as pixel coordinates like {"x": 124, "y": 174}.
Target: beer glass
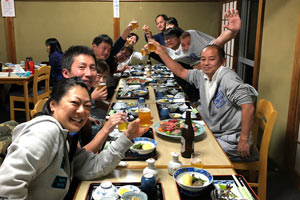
{"x": 134, "y": 24}
{"x": 144, "y": 115}
{"x": 143, "y": 52}
{"x": 123, "y": 126}
{"x": 197, "y": 159}
{"x": 101, "y": 85}
{"x": 151, "y": 47}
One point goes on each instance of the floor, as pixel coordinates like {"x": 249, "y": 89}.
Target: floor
{"x": 279, "y": 186}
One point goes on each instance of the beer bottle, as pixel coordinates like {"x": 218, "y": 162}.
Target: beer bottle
{"x": 187, "y": 136}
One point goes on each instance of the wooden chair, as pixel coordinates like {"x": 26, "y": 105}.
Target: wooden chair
{"x": 38, "y": 107}
{"x": 41, "y": 75}
{"x": 264, "y": 120}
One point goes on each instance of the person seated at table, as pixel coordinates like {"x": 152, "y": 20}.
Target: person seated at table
{"x": 225, "y": 103}
{"x": 172, "y": 23}
{"x": 40, "y": 164}
{"x": 193, "y": 41}
{"x": 105, "y": 50}
{"x": 55, "y": 56}
{"x": 160, "y": 21}
{"x": 123, "y": 55}
{"x": 80, "y": 61}
{"x": 172, "y": 38}
{"x": 136, "y": 57}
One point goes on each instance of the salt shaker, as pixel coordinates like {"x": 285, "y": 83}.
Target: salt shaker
{"x": 174, "y": 164}
{"x": 150, "y": 169}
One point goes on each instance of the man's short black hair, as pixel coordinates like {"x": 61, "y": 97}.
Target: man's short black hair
{"x": 133, "y": 34}
{"x": 172, "y": 32}
{"x": 102, "y": 38}
{"x": 163, "y": 16}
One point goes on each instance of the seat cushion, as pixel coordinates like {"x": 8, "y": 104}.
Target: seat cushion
{"x": 6, "y": 129}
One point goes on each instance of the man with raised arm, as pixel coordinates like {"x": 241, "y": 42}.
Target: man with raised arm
{"x": 226, "y": 103}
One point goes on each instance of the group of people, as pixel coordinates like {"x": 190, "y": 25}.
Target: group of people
{"x": 50, "y": 150}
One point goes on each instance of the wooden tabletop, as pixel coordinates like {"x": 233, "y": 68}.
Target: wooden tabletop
{"x": 134, "y": 175}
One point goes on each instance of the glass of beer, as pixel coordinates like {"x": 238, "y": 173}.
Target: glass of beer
{"x": 145, "y": 116}
{"x": 101, "y": 85}
{"x": 134, "y": 24}
{"x": 151, "y": 47}
{"x": 197, "y": 159}
{"x": 123, "y": 126}
{"x": 143, "y": 52}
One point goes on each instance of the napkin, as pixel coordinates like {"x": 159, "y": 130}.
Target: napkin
{"x": 18, "y": 69}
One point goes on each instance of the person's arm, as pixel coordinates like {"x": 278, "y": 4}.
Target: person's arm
{"x": 247, "y": 121}
{"x": 174, "y": 66}
{"x": 233, "y": 27}
{"x": 98, "y": 95}
{"x": 126, "y": 32}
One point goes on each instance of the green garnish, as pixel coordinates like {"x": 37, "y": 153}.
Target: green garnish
{"x": 138, "y": 146}
{"x": 197, "y": 181}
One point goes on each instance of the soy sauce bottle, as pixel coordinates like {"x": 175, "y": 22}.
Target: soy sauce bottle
{"x": 187, "y": 136}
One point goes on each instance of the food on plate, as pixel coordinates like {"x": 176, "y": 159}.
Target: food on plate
{"x": 174, "y": 126}
{"x": 143, "y": 146}
{"x": 135, "y": 80}
{"x": 123, "y": 190}
{"x": 135, "y": 198}
{"x": 191, "y": 180}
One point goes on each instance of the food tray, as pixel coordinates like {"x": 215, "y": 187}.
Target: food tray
{"x": 168, "y": 91}
{"x": 135, "y": 80}
{"x": 158, "y": 196}
{"x": 160, "y": 106}
{"x": 205, "y": 194}
{"x": 131, "y": 95}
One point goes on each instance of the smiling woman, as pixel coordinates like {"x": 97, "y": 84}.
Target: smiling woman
{"x": 43, "y": 154}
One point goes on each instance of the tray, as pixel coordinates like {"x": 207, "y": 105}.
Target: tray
{"x": 160, "y": 106}
{"x": 136, "y": 80}
{"x": 131, "y": 95}
{"x": 205, "y": 194}
{"x": 158, "y": 196}
{"x": 165, "y": 91}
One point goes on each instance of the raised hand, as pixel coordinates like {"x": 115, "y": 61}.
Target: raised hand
{"x": 135, "y": 130}
{"x": 114, "y": 120}
{"x": 234, "y": 20}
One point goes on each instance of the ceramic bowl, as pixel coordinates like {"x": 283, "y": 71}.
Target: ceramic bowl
{"x": 137, "y": 195}
{"x": 120, "y": 105}
{"x": 128, "y": 188}
{"x": 143, "y": 140}
{"x": 173, "y": 91}
{"x": 197, "y": 172}
{"x": 175, "y": 115}
{"x": 134, "y": 111}
{"x": 183, "y": 107}
{"x": 193, "y": 115}
{"x": 105, "y": 190}
{"x": 173, "y": 107}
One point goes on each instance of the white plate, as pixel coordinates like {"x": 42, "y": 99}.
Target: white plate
{"x": 128, "y": 188}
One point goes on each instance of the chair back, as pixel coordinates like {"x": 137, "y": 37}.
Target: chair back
{"x": 41, "y": 74}
{"x": 38, "y": 107}
{"x": 264, "y": 120}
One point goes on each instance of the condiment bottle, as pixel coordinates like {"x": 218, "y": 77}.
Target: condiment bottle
{"x": 174, "y": 164}
{"x": 187, "y": 136}
{"x": 31, "y": 66}
{"x": 150, "y": 169}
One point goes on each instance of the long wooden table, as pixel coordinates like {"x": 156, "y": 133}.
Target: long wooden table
{"x": 19, "y": 81}
{"x": 134, "y": 175}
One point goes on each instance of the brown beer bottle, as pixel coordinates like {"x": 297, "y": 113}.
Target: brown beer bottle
{"x": 187, "y": 136}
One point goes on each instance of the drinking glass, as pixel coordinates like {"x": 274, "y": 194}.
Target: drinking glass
{"x": 145, "y": 116}
{"x": 197, "y": 159}
{"x": 143, "y": 52}
{"x": 134, "y": 24}
{"x": 101, "y": 85}
{"x": 123, "y": 126}
{"x": 151, "y": 47}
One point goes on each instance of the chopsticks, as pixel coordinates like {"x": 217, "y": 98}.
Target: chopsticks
{"x": 243, "y": 190}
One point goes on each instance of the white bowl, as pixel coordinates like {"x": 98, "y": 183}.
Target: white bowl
{"x": 183, "y": 107}
{"x": 197, "y": 172}
{"x": 127, "y": 188}
{"x": 120, "y": 105}
{"x": 134, "y": 111}
{"x": 143, "y": 140}
{"x": 105, "y": 189}
{"x": 193, "y": 115}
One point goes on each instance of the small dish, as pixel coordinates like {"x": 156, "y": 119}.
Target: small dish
{"x": 134, "y": 196}
{"x": 147, "y": 145}
{"x": 128, "y": 188}
{"x": 173, "y": 107}
{"x": 140, "y": 92}
{"x": 193, "y": 115}
{"x": 175, "y": 115}
{"x": 163, "y": 101}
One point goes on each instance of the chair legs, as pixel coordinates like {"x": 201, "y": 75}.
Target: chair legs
{"x": 12, "y": 108}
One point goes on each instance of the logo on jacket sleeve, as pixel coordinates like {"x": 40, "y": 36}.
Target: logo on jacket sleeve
{"x": 220, "y": 99}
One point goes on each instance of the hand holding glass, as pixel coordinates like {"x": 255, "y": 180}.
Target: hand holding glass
{"x": 145, "y": 116}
